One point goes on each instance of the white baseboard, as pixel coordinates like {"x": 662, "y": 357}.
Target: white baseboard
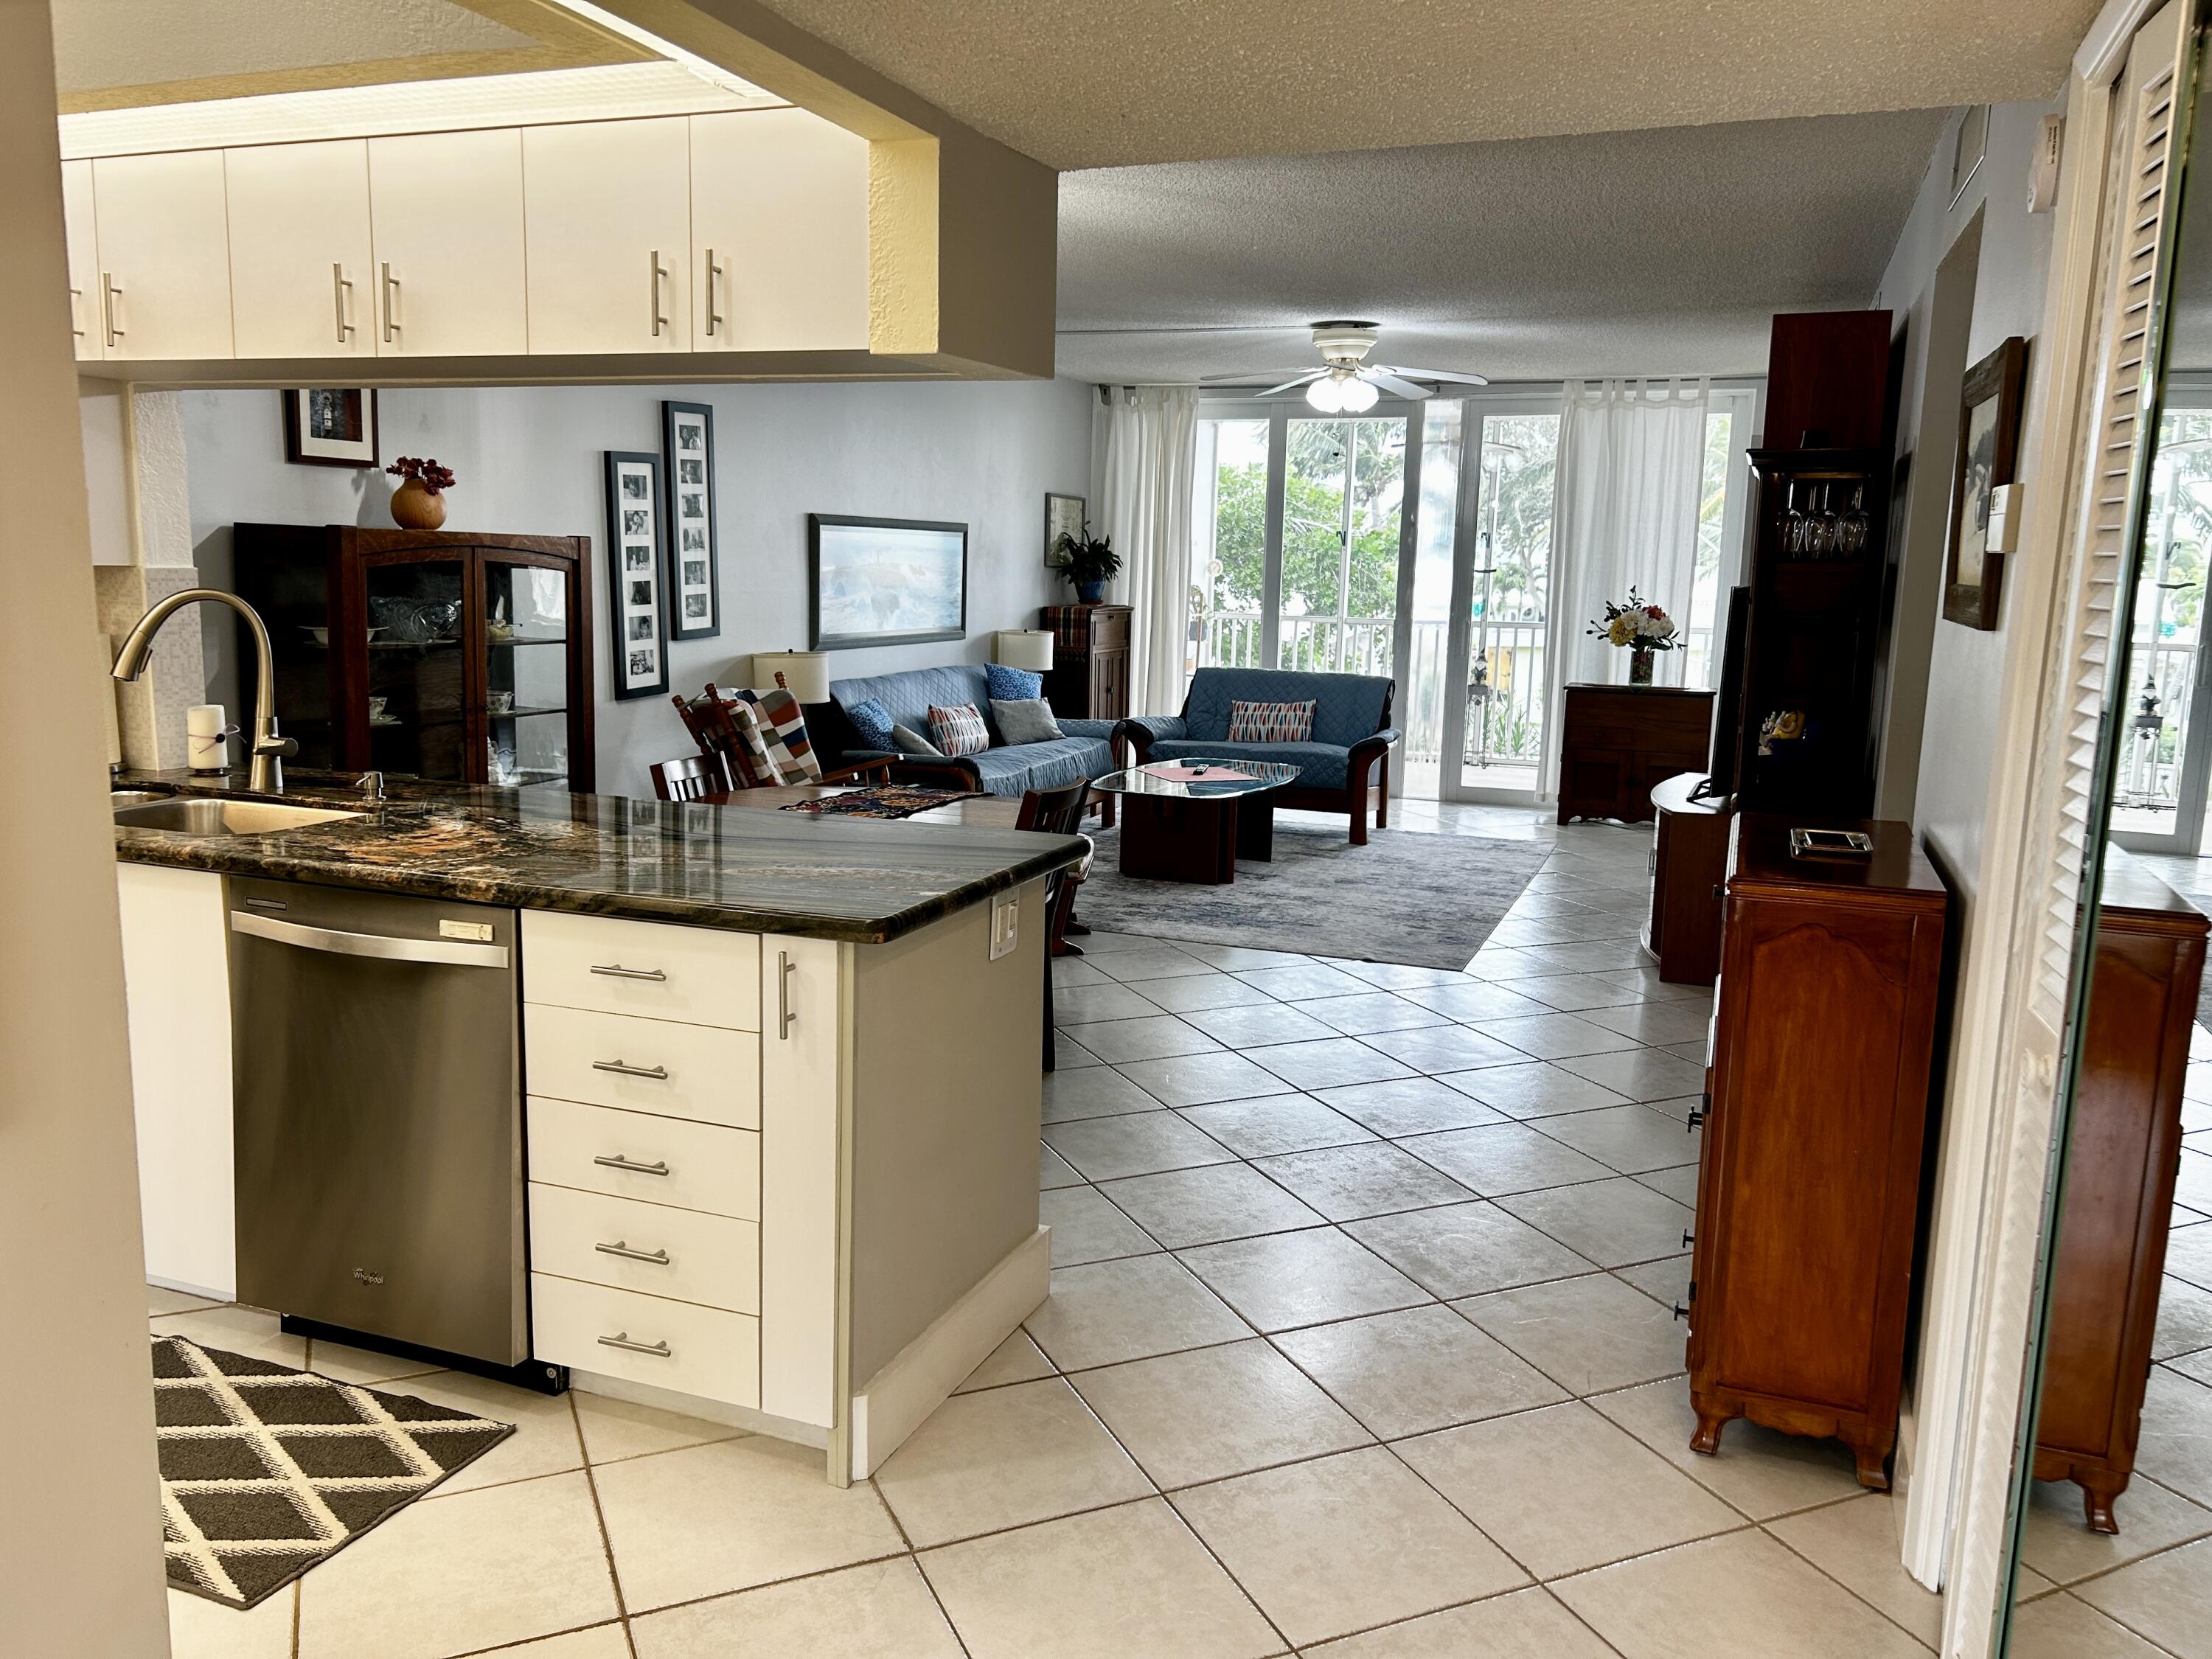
{"x": 690, "y": 1405}
{"x": 922, "y": 1375}
{"x": 183, "y": 1289}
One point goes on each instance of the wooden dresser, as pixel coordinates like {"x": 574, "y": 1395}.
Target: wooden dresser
{"x": 1808, "y": 1186}
{"x": 1616, "y": 741}
{"x": 1089, "y": 678}
{"x": 1689, "y": 862}
{"x": 2120, "y": 1166}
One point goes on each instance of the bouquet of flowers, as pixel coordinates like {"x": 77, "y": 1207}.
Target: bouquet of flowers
{"x": 1639, "y": 624}
{"x": 433, "y": 478}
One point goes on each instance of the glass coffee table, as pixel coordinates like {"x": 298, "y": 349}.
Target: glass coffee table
{"x": 1191, "y": 820}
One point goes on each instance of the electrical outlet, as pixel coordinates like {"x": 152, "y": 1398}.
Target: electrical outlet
{"x": 1005, "y": 924}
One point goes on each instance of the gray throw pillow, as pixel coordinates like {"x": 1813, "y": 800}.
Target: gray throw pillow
{"x": 911, "y": 742}
{"x": 1026, "y": 722}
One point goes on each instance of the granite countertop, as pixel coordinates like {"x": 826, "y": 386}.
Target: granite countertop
{"x": 746, "y": 868}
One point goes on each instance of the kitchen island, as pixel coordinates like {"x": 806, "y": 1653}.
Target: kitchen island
{"x": 777, "y": 1093}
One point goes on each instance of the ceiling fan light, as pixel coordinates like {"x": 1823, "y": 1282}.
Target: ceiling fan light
{"x": 1358, "y": 396}
{"x": 1326, "y": 395}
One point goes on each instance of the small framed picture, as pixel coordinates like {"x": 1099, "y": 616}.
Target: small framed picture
{"x": 636, "y": 580}
{"x": 330, "y": 426}
{"x": 694, "y": 594}
{"x": 1966, "y": 152}
{"x": 1988, "y": 456}
{"x": 1063, "y": 516}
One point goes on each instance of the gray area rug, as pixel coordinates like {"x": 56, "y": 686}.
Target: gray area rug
{"x": 1426, "y": 900}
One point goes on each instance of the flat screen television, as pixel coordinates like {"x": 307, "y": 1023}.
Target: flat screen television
{"x": 1728, "y": 702}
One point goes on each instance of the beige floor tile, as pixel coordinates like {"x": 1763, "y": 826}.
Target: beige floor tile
{"x": 1331, "y": 1063}
{"x": 2062, "y": 1627}
{"x": 1434, "y": 1048}
{"x": 615, "y": 1429}
{"x": 1255, "y": 1024}
{"x": 1497, "y": 1158}
{"x": 237, "y": 1330}
{"x": 1141, "y": 1143}
{"x": 1398, "y": 975}
{"x": 1017, "y": 1360}
{"x": 1860, "y": 1543}
{"x": 1153, "y": 1036}
{"x": 1563, "y": 1489}
{"x": 452, "y": 1575}
{"x": 2198, "y": 1367}
{"x": 1186, "y": 996}
{"x": 1613, "y": 1222}
{"x": 201, "y": 1629}
{"x": 1762, "y": 1473}
{"x": 2167, "y": 1599}
{"x": 1201, "y": 1080}
{"x": 1154, "y": 959}
{"x": 1068, "y": 972}
{"x": 1097, "y": 1003}
{"x": 2189, "y": 1249}
{"x": 1656, "y": 1024}
{"x": 1277, "y": 1123}
{"x": 1466, "y": 1249}
{"x": 1006, "y": 1457}
{"x": 1409, "y": 1106}
{"x": 1372, "y": 1011}
{"x": 1053, "y": 1171}
{"x": 1373, "y": 1178}
{"x": 1093, "y": 1092}
{"x": 362, "y": 1366}
{"x": 1533, "y": 1090}
{"x": 1416, "y": 1370}
{"x": 1479, "y": 1002}
{"x": 1115, "y": 1310}
{"x": 1665, "y": 1281}
{"x": 1588, "y": 1335}
{"x": 1068, "y": 1055}
{"x": 2175, "y": 1446}
{"x": 880, "y": 1610}
{"x": 1341, "y": 1543}
{"x": 1299, "y": 1278}
{"x": 597, "y": 1641}
{"x": 544, "y": 1441}
{"x": 1739, "y": 1597}
{"x": 1640, "y": 1074}
{"x": 2184, "y": 1319}
{"x": 1204, "y": 1206}
{"x": 1680, "y": 1183}
{"x": 1087, "y": 1227}
{"x": 161, "y": 1300}
{"x": 1629, "y": 1139}
{"x": 1301, "y": 982}
{"x": 1216, "y": 1412}
{"x": 708, "y": 1519}
{"x": 2056, "y": 1543}
{"x": 1108, "y": 1586}
{"x": 1578, "y": 992}
{"x": 1528, "y": 1624}
{"x": 1552, "y": 1036}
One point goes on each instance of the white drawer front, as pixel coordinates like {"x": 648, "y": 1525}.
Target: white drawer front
{"x": 660, "y": 1066}
{"x": 662, "y": 1160}
{"x": 663, "y": 971}
{"x": 685, "y": 1254}
{"x": 708, "y": 1353}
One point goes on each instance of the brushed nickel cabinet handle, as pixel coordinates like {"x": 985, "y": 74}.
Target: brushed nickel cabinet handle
{"x": 658, "y": 1258}
{"x": 621, "y": 1340}
{"x": 715, "y": 318}
{"x": 617, "y": 1161}
{"x": 390, "y": 285}
{"x": 623, "y": 1068}
{"x": 616, "y": 970}
{"x": 784, "y": 1015}
{"x": 341, "y": 291}
{"x": 659, "y": 276}
{"x": 76, "y": 297}
{"x": 111, "y": 313}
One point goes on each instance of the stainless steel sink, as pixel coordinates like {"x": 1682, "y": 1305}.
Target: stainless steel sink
{"x": 134, "y": 796}
{"x": 204, "y": 814}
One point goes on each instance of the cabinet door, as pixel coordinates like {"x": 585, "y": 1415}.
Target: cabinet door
{"x": 609, "y": 211}
{"x": 302, "y": 281}
{"x": 445, "y": 217}
{"x": 164, "y": 256}
{"x": 800, "y": 1090}
{"x": 83, "y": 261}
{"x": 779, "y": 233}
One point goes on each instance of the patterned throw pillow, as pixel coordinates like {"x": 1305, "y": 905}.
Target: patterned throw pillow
{"x": 960, "y": 731}
{"x": 1271, "y": 722}
{"x": 872, "y": 722}
{"x": 1012, "y": 684}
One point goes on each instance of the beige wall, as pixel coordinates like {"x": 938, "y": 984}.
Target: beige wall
{"x": 80, "y": 1525}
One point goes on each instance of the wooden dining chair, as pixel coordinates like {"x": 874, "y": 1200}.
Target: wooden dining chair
{"x": 688, "y": 777}
{"x": 755, "y": 746}
{"x": 1056, "y": 812}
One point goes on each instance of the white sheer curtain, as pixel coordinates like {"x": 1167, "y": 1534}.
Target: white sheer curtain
{"x": 1625, "y": 514}
{"x": 1152, "y": 446}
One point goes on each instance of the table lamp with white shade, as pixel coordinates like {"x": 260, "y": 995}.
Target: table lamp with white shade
{"x": 1025, "y": 648}
{"x": 804, "y": 674}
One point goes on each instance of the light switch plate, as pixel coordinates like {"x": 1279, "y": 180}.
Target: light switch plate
{"x": 1005, "y": 924}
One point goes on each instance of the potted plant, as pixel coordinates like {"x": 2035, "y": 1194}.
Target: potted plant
{"x": 1091, "y": 562}
{"x": 1642, "y": 627}
{"x": 419, "y": 503}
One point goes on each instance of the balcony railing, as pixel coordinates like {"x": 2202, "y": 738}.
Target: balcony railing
{"x": 2150, "y": 756}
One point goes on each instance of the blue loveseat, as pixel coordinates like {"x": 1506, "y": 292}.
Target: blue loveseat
{"x": 1086, "y": 751}
{"x": 1349, "y": 754}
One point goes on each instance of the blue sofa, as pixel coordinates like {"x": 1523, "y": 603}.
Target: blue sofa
{"x": 1348, "y": 756}
{"x": 1087, "y": 750}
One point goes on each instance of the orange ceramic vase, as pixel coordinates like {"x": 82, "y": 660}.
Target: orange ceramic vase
{"x": 416, "y": 507}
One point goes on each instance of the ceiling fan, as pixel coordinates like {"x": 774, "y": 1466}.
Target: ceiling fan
{"x": 1346, "y": 383}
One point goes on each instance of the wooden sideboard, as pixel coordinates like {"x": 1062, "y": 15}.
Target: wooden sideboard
{"x": 1616, "y": 741}
{"x": 1089, "y": 680}
{"x": 1808, "y": 1184}
{"x": 2121, "y": 1159}
{"x": 1689, "y": 862}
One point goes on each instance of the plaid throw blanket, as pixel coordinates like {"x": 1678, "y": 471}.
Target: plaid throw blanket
{"x": 889, "y": 801}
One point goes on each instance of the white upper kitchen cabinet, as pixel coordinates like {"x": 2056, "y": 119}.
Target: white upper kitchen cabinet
{"x": 445, "y": 217}
{"x": 301, "y": 280}
{"x": 608, "y": 206}
{"x": 779, "y": 233}
{"x": 164, "y": 287}
{"x": 84, "y": 260}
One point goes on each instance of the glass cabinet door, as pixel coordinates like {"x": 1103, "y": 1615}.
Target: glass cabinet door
{"x": 525, "y": 674}
{"x": 418, "y": 698}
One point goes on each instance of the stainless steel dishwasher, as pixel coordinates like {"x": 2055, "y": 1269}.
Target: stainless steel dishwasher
{"x": 379, "y": 1117}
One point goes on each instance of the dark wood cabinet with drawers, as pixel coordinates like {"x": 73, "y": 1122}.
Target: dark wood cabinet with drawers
{"x": 1809, "y": 1185}
{"x": 1616, "y": 741}
{"x": 1089, "y": 675}
{"x": 1689, "y": 861}
{"x": 2107, "y": 1263}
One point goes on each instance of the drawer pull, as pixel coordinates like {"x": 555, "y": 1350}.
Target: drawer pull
{"x": 784, "y": 1015}
{"x": 616, "y": 970}
{"x": 1680, "y": 1312}
{"x": 658, "y": 1258}
{"x": 617, "y": 1161}
{"x": 621, "y": 1340}
{"x": 623, "y": 1068}
{"x": 1689, "y": 1239}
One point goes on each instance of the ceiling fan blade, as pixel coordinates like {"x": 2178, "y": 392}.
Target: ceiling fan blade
{"x": 1445, "y": 374}
{"x": 1311, "y": 375}
{"x": 1383, "y": 380}
{"x": 1245, "y": 374}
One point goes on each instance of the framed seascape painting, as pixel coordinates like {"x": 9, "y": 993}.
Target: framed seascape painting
{"x": 886, "y": 582}
{"x": 695, "y": 605}
{"x": 638, "y": 613}
{"x": 330, "y": 426}
{"x": 1988, "y": 456}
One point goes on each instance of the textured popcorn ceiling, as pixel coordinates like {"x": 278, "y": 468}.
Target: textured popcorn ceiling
{"x": 1086, "y": 83}
{"x": 1655, "y": 252}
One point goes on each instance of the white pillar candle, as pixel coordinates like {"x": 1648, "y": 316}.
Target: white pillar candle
{"x": 204, "y": 747}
